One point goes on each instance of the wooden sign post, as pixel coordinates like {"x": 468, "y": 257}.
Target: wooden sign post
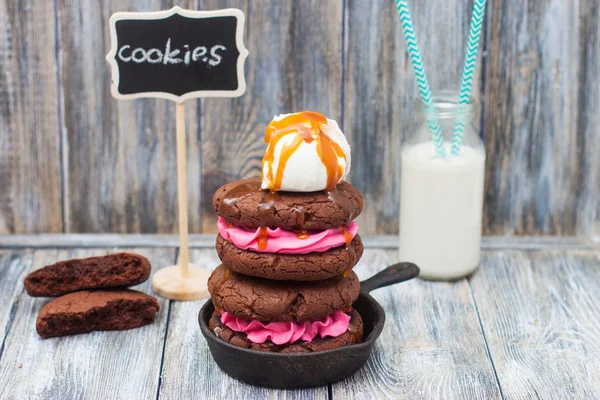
{"x": 178, "y": 55}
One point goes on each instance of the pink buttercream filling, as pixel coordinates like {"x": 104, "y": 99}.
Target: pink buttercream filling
{"x": 280, "y": 333}
{"x": 281, "y": 241}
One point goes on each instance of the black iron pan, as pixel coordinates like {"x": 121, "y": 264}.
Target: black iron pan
{"x": 308, "y": 369}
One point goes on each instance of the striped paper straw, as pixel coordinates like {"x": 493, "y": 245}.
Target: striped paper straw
{"x": 467, "y": 78}
{"x": 417, "y": 62}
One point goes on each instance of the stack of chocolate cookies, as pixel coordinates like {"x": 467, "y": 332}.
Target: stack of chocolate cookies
{"x": 286, "y": 282}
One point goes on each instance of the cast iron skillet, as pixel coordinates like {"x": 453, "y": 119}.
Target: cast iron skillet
{"x": 308, "y": 369}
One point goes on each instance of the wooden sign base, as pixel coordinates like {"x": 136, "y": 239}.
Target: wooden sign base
{"x": 171, "y": 284}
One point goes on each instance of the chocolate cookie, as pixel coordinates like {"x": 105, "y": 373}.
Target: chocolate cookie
{"x": 244, "y": 204}
{"x": 266, "y": 300}
{"x": 353, "y": 335}
{"x": 100, "y": 310}
{"x": 113, "y": 270}
{"x": 292, "y": 267}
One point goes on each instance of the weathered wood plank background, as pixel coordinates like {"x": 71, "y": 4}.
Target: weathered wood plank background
{"x": 73, "y": 159}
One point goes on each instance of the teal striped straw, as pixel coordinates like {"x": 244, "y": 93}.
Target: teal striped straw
{"x": 417, "y": 62}
{"x": 467, "y": 78}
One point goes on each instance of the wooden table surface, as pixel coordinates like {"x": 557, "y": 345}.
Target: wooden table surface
{"x": 527, "y": 324}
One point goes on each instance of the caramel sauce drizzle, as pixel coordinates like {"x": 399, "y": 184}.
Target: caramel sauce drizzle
{"x": 266, "y": 205}
{"x": 347, "y": 272}
{"x": 265, "y": 208}
{"x": 301, "y": 212}
{"x": 306, "y": 127}
{"x": 262, "y": 238}
{"x": 347, "y": 235}
{"x": 302, "y": 235}
{"x": 226, "y": 275}
{"x": 355, "y": 333}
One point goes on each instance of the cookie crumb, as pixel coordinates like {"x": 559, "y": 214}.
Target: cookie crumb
{"x": 21, "y": 365}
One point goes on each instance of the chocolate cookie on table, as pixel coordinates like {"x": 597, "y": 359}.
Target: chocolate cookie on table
{"x": 268, "y": 300}
{"x": 99, "y": 310}
{"x": 312, "y": 266}
{"x": 110, "y": 271}
{"x": 243, "y": 204}
{"x": 353, "y": 334}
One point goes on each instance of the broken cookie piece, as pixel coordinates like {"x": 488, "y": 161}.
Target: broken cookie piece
{"x": 111, "y": 271}
{"x": 99, "y": 310}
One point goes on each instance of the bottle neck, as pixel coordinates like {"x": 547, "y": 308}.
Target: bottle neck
{"x": 449, "y": 115}
{"x": 445, "y": 107}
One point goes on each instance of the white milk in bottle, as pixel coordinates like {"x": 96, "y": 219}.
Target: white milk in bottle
{"x": 441, "y": 200}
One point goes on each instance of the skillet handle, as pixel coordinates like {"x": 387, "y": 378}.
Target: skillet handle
{"x": 391, "y": 275}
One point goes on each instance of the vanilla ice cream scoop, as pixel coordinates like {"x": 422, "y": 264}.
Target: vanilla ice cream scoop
{"x": 306, "y": 152}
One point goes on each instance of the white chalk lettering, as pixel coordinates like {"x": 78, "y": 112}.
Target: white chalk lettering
{"x": 198, "y": 52}
{"x": 186, "y": 58}
{"x": 217, "y": 58}
{"x": 139, "y": 59}
{"x": 124, "y": 59}
{"x": 157, "y": 60}
{"x": 170, "y": 56}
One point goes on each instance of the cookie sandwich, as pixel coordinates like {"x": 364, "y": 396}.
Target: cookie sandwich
{"x": 288, "y": 242}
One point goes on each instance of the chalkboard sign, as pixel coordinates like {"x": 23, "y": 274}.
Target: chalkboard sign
{"x": 177, "y": 54}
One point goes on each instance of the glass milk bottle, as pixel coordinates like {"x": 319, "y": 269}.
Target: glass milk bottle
{"x": 441, "y": 200}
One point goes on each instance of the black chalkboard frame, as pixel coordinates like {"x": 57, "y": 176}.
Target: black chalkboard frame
{"x": 156, "y": 15}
